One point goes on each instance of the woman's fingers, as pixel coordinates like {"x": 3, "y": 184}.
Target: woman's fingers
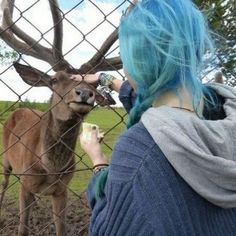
{"x": 76, "y": 77}
{"x": 89, "y": 78}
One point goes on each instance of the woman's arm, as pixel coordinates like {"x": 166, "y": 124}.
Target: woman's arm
{"x": 114, "y": 83}
{"x": 119, "y": 210}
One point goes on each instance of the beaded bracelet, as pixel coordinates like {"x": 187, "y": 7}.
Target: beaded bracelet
{"x": 105, "y": 79}
{"x": 99, "y": 167}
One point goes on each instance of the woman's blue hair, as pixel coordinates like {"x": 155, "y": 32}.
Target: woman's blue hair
{"x": 162, "y": 47}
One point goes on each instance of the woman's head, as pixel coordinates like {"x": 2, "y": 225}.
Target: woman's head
{"x": 162, "y": 46}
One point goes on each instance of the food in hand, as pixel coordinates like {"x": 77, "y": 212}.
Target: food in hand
{"x": 87, "y": 131}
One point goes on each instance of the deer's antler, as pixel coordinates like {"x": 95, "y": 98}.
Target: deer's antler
{"x": 6, "y": 32}
{"x": 98, "y": 62}
{"x": 29, "y": 46}
{"x": 25, "y": 44}
{"x": 58, "y": 30}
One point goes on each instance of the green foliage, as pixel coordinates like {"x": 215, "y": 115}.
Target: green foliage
{"x": 7, "y": 55}
{"x": 222, "y": 19}
{"x": 7, "y": 106}
{"x": 33, "y": 105}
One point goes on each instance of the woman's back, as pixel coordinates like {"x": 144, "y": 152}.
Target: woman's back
{"x": 146, "y": 196}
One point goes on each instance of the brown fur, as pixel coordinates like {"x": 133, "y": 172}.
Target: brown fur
{"x": 38, "y": 144}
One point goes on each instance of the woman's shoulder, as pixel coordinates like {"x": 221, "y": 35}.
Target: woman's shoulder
{"x": 133, "y": 148}
{"x": 135, "y": 140}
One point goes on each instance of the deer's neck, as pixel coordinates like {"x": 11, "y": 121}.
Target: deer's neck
{"x": 59, "y": 140}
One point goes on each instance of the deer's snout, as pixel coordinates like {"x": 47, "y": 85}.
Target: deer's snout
{"x": 85, "y": 95}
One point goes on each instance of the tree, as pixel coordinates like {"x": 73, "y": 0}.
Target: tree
{"x": 222, "y": 19}
{"x": 7, "y": 55}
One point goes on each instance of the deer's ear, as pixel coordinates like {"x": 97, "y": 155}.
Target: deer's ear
{"x": 32, "y": 76}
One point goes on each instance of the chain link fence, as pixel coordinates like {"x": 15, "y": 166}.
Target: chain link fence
{"x": 64, "y": 35}
{"x": 34, "y": 29}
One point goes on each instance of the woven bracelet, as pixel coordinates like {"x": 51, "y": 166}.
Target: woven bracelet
{"x": 100, "y": 165}
{"x": 105, "y": 79}
{"x": 99, "y": 169}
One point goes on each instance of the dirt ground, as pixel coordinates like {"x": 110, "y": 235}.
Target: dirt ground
{"x": 41, "y": 220}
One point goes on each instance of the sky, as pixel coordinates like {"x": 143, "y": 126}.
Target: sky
{"x": 85, "y": 16}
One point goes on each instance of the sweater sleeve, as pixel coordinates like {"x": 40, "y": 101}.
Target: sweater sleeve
{"x": 127, "y": 95}
{"x": 119, "y": 211}
{"x": 92, "y": 190}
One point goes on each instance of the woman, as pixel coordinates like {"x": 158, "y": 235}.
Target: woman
{"x": 173, "y": 172}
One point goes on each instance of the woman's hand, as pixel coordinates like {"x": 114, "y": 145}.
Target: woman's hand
{"x": 93, "y": 148}
{"x": 93, "y": 79}
{"x": 89, "y": 78}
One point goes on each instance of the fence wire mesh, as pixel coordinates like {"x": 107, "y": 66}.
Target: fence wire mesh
{"x": 28, "y": 28}
{"x": 34, "y": 30}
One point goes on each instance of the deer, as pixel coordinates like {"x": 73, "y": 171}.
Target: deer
{"x": 39, "y": 146}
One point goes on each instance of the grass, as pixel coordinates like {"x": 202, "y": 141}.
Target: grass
{"x": 110, "y": 120}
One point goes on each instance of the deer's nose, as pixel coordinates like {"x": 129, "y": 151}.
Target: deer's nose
{"x": 85, "y": 95}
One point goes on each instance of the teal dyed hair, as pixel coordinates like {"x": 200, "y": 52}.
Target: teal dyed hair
{"x": 162, "y": 46}
{"x": 100, "y": 183}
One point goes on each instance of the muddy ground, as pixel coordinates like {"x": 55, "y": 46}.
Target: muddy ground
{"x": 41, "y": 220}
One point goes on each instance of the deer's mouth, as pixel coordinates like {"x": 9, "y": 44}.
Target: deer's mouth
{"x": 80, "y": 107}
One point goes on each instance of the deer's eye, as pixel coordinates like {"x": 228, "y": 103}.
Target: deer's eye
{"x": 53, "y": 81}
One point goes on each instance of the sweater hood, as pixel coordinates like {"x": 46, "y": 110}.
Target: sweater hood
{"x": 203, "y": 152}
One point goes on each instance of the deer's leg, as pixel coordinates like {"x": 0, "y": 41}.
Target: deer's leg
{"x": 59, "y": 212}
{"x": 26, "y": 201}
{"x": 6, "y": 174}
